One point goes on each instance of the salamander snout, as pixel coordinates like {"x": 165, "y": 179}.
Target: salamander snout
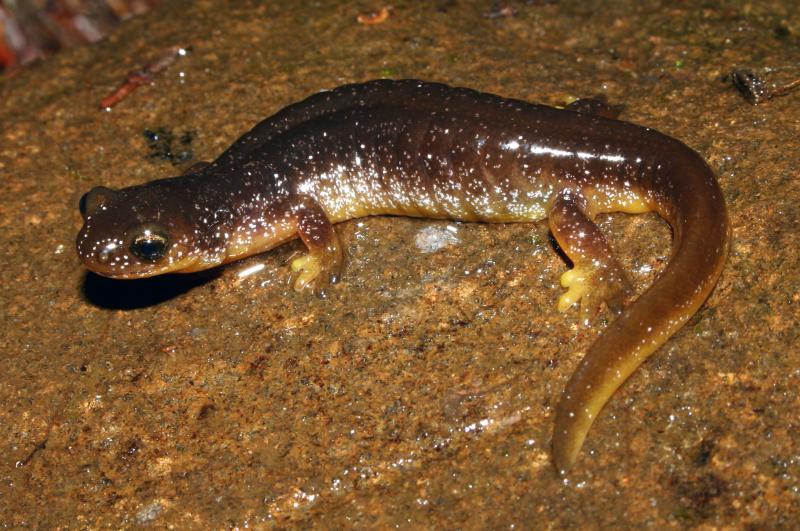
{"x": 127, "y": 236}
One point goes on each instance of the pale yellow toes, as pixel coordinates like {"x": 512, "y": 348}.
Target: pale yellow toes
{"x": 305, "y": 270}
{"x": 590, "y": 287}
{"x": 578, "y": 285}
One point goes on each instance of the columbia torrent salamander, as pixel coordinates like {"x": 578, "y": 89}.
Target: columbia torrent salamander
{"x": 412, "y": 148}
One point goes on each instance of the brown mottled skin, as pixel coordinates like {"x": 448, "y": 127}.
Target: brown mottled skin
{"x": 422, "y": 149}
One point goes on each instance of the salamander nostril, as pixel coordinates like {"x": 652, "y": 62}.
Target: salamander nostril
{"x": 107, "y": 253}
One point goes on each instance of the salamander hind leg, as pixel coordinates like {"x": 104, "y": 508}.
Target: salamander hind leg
{"x": 322, "y": 265}
{"x": 596, "y": 277}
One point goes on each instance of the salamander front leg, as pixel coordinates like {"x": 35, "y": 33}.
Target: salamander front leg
{"x": 322, "y": 265}
{"x": 596, "y": 277}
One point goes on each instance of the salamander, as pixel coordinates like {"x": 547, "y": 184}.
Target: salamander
{"x": 413, "y": 148}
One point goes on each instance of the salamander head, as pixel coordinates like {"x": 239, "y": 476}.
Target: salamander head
{"x": 136, "y": 232}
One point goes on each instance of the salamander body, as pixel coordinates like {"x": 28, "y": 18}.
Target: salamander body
{"x": 422, "y": 149}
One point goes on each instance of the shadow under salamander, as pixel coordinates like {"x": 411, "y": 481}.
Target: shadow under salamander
{"x": 117, "y": 294}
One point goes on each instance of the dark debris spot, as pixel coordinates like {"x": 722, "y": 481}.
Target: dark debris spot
{"x": 698, "y": 494}
{"x": 782, "y": 32}
{"x": 205, "y": 411}
{"x": 755, "y": 88}
{"x": 704, "y": 452}
{"x": 749, "y": 85}
{"x": 129, "y": 451}
{"x": 257, "y": 365}
{"x": 165, "y": 145}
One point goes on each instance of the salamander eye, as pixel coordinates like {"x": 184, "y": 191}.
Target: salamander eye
{"x": 149, "y": 245}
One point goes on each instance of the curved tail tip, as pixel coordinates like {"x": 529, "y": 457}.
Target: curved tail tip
{"x": 563, "y": 460}
{"x": 564, "y": 455}
{"x": 565, "y": 447}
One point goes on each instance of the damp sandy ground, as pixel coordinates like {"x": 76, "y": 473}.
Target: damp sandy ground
{"x": 421, "y": 393}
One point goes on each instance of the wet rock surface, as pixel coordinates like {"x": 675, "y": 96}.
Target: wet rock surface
{"x": 421, "y": 392}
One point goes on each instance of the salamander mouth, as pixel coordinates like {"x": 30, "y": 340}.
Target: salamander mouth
{"x": 187, "y": 264}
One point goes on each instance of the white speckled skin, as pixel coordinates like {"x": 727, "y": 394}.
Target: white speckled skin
{"x": 424, "y": 149}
